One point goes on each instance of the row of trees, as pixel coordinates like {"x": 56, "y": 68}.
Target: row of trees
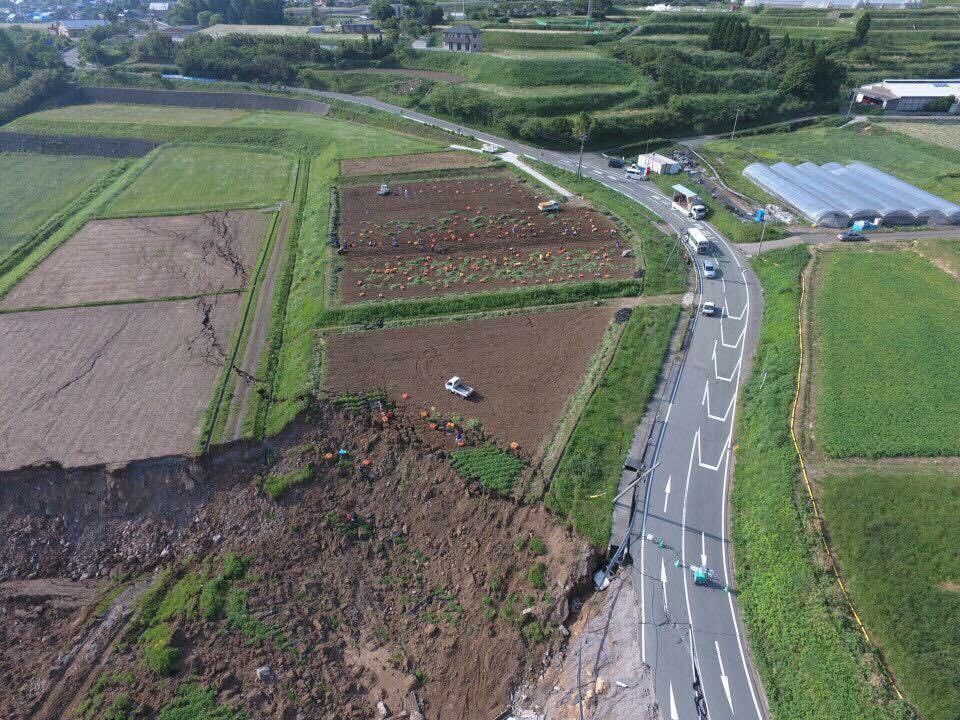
{"x": 209, "y": 12}
{"x": 734, "y": 33}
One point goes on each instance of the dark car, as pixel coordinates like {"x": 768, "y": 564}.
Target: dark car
{"x": 851, "y": 236}
{"x": 615, "y": 162}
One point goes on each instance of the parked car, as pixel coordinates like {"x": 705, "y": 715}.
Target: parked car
{"x": 615, "y": 162}
{"x": 851, "y": 236}
{"x": 491, "y": 148}
{"x": 709, "y": 309}
{"x": 709, "y": 268}
{"x": 458, "y": 387}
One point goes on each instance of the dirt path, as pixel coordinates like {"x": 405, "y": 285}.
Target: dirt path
{"x": 80, "y": 665}
{"x": 259, "y": 326}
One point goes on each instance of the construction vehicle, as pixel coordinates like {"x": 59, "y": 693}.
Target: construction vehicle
{"x": 458, "y": 387}
{"x": 548, "y": 206}
{"x": 688, "y": 202}
{"x": 384, "y": 189}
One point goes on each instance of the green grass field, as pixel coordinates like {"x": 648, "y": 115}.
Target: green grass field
{"x": 350, "y": 139}
{"x": 43, "y": 184}
{"x": 587, "y": 476}
{"x": 190, "y": 178}
{"x": 888, "y": 366}
{"x": 928, "y": 166}
{"x": 895, "y": 534}
{"x": 149, "y": 114}
{"x": 810, "y": 658}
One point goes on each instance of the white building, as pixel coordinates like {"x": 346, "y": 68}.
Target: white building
{"x": 906, "y": 96}
{"x": 659, "y": 163}
{"x": 835, "y": 4}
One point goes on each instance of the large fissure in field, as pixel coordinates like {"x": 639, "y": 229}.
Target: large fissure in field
{"x": 345, "y": 555}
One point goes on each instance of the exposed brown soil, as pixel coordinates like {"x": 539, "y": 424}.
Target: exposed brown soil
{"x": 471, "y": 234}
{"x": 523, "y": 368}
{"x": 107, "y": 384}
{"x": 153, "y": 257}
{"x": 425, "y": 606}
{"x": 444, "y": 160}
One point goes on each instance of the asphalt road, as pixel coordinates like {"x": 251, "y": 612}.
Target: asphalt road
{"x": 815, "y": 238}
{"x": 688, "y": 632}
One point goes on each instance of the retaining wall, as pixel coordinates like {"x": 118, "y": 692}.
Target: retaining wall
{"x": 75, "y": 145}
{"x": 194, "y": 98}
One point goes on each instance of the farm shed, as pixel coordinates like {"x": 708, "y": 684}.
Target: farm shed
{"x": 835, "y": 195}
{"x": 659, "y": 163}
{"x": 905, "y": 96}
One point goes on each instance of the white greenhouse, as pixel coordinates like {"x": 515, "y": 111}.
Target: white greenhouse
{"x": 835, "y": 195}
{"x": 837, "y": 4}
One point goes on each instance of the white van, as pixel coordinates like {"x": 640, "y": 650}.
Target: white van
{"x": 639, "y": 173}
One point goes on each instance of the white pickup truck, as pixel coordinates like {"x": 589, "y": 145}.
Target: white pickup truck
{"x": 458, "y": 387}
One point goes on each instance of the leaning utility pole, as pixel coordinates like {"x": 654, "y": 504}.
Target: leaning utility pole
{"x": 735, "y": 118}
{"x": 583, "y": 139}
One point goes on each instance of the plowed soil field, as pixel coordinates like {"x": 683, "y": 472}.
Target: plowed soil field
{"x": 445, "y": 160}
{"x": 150, "y": 257}
{"x": 523, "y": 367}
{"x": 468, "y": 235}
{"x": 83, "y": 386}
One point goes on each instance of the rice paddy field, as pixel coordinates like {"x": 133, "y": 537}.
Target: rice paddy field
{"x": 945, "y": 134}
{"x": 44, "y": 184}
{"x": 887, "y": 373}
{"x": 190, "y": 178}
{"x": 894, "y": 531}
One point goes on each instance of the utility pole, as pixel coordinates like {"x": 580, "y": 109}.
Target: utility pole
{"x": 583, "y": 139}
{"x": 735, "y": 118}
{"x": 853, "y": 97}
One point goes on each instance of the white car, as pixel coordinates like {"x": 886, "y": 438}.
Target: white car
{"x": 709, "y": 309}
{"x": 491, "y": 148}
{"x": 709, "y": 268}
{"x": 458, "y": 387}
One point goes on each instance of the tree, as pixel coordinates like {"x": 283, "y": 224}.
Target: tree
{"x": 89, "y": 50}
{"x": 203, "y": 18}
{"x": 816, "y": 78}
{"x": 581, "y": 126}
{"x": 382, "y": 10}
{"x": 156, "y": 46}
{"x": 862, "y": 28}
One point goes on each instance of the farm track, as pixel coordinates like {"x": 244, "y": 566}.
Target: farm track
{"x": 89, "y": 656}
{"x": 259, "y": 327}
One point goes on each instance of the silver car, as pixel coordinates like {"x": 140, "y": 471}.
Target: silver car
{"x": 709, "y": 269}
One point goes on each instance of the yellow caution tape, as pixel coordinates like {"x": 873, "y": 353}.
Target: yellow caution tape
{"x": 835, "y": 566}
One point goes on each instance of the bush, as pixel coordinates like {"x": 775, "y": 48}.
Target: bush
{"x": 537, "y": 576}
{"x": 159, "y": 655}
{"x": 196, "y": 702}
{"x": 276, "y": 485}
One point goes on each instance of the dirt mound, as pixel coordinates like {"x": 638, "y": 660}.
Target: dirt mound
{"x": 380, "y": 576}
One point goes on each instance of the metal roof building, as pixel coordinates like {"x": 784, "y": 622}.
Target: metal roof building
{"x": 910, "y": 95}
{"x": 835, "y": 195}
{"x": 835, "y": 4}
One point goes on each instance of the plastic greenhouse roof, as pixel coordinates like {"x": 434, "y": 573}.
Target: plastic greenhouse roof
{"x": 834, "y": 194}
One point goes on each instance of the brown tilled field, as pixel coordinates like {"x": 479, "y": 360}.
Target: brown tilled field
{"x": 444, "y": 160}
{"x": 107, "y": 384}
{"x": 523, "y": 367}
{"x": 469, "y": 235}
{"x": 151, "y": 257}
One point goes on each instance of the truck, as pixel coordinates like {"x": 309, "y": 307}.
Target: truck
{"x": 688, "y": 202}
{"x": 697, "y": 241}
{"x": 458, "y": 387}
{"x": 548, "y": 206}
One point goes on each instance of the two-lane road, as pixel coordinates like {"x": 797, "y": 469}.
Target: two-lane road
{"x": 690, "y": 635}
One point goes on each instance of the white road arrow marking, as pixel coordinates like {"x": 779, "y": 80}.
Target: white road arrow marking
{"x": 673, "y": 705}
{"x": 663, "y": 579}
{"x": 703, "y": 549}
{"x": 723, "y": 676}
{"x": 666, "y": 493}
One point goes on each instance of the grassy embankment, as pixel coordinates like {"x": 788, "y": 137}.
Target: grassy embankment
{"x": 809, "y": 655}
{"x": 588, "y": 474}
